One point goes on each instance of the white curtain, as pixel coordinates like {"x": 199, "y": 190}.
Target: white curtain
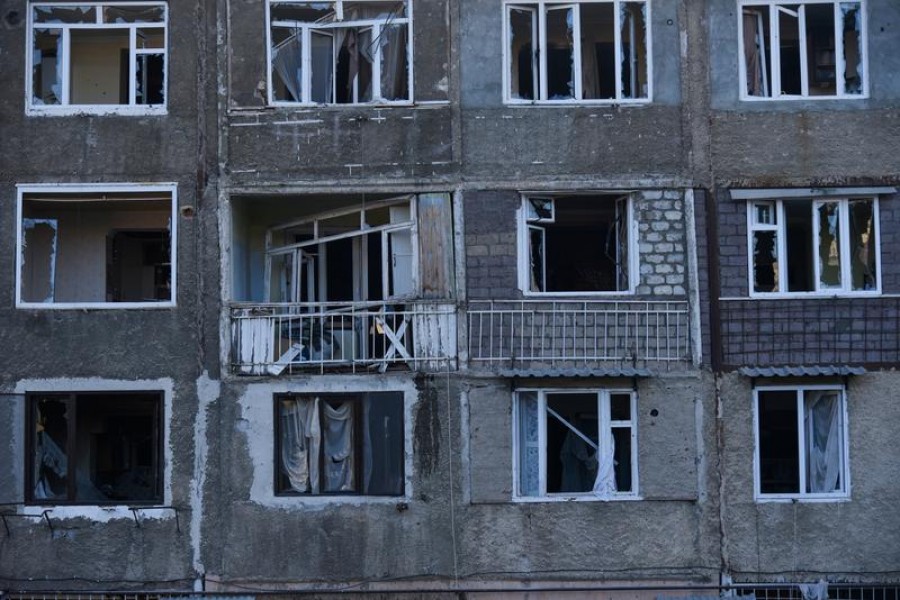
{"x": 823, "y": 441}
{"x": 287, "y": 59}
{"x": 339, "y": 470}
{"x": 605, "y": 484}
{"x": 300, "y": 442}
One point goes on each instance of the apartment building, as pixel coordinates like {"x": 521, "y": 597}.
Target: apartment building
{"x": 449, "y": 297}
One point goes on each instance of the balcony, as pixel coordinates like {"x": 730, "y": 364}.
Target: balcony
{"x": 576, "y": 334}
{"x": 811, "y": 331}
{"x": 284, "y": 338}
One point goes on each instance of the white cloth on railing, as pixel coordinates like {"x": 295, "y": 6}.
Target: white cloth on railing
{"x": 257, "y": 344}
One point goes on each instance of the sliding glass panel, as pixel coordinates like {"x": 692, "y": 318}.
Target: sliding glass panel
{"x": 829, "y": 244}
{"x": 394, "y": 62}
{"x": 529, "y": 445}
{"x": 287, "y": 64}
{"x": 779, "y": 460}
{"x": 853, "y": 77}
{"x": 322, "y": 67}
{"x": 824, "y": 452}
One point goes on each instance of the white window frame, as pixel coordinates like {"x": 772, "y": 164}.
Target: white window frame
{"x": 780, "y": 229}
{"x": 62, "y": 189}
{"x": 844, "y": 493}
{"x": 524, "y": 226}
{"x": 540, "y": 32}
{"x": 604, "y": 423}
{"x": 65, "y": 108}
{"x": 307, "y": 29}
{"x": 318, "y": 240}
{"x": 775, "y": 56}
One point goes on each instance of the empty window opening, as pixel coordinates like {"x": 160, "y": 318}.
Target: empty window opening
{"x": 575, "y": 443}
{"x": 806, "y": 49}
{"x": 339, "y": 52}
{"x": 88, "y": 248}
{"x": 95, "y": 448}
{"x": 333, "y": 444}
{"x": 805, "y": 246}
{"x": 577, "y": 244}
{"x": 595, "y": 50}
{"x": 97, "y": 55}
{"x": 801, "y": 442}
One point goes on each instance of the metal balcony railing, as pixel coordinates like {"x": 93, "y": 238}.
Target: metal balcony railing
{"x": 286, "y": 337}
{"x": 542, "y": 334}
{"x": 811, "y": 331}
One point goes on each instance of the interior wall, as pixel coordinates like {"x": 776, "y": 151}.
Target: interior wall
{"x": 96, "y": 67}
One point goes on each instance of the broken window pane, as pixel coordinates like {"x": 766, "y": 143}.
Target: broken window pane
{"x": 779, "y": 466}
{"x": 322, "y": 67}
{"x": 560, "y": 54}
{"x": 50, "y": 464}
{"x": 65, "y": 14}
{"x": 853, "y": 68}
{"x": 821, "y": 41}
{"x": 96, "y": 249}
{"x": 862, "y": 245}
{"x": 598, "y": 52}
{"x": 99, "y": 66}
{"x": 354, "y": 68}
{"x": 620, "y": 407}
{"x": 585, "y": 249}
{"x": 114, "y": 454}
{"x": 287, "y": 65}
{"x": 572, "y": 427}
{"x": 789, "y": 35}
{"x": 47, "y": 68}
{"x": 151, "y": 37}
{"x": 757, "y": 55}
{"x": 765, "y": 261}
{"x": 523, "y": 67}
{"x": 799, "y": 242}
{"x": 133, "y": 14}
{"x": 622, "y": 458}
{"x": 634, "y": 50}
{"x": 305, "y": 12}
{"x": 401, "y": 255}
{"x": 394, "y": 63}
{"x": 281, "y": 282}
{"x": 374, "y": 10}
{"x": 383, "y": 445}
{"x": 149, "y": 73}
{"x": 829, "y": 249}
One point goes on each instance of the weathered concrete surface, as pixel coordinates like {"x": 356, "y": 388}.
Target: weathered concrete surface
{"x": 252, "y": 535}
{"x": 805, "y": 540}
{"x": 670, "y": 533}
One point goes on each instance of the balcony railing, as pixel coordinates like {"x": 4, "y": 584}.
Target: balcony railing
{"x": 539, "y": 334}
{"x": 811, "y": 331}
{"x": 298, "y": 337}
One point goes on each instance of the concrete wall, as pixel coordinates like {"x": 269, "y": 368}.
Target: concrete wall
{"x": 807, "y": 540}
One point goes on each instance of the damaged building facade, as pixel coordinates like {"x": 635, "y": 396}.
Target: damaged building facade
{"x": 450, "y": 297}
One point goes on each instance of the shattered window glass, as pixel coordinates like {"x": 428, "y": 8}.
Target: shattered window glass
{"x": 65, "y": 14}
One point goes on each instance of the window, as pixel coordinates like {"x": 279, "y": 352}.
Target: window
{"x": 590, "y": 51}
{"x": 344, "y": 255}
{"x": 340, "y": 52}
{"x": 575, "y": 442}
{"x": 802, "y": 49}
{"x": 94, "y": 448}
{"x": 575, "y": 244}
{"x": 340, "y": 444}
{"x": 108, "y": 246}
{"x": 814, "y": 246}
{"x": 97, "y": 57}
{"x": 801, "y": 449}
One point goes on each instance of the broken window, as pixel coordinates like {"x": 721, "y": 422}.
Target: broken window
{"x": 339, "y": 52}
{"x": 96, "y": 248}
{"x": 801, "y": 444}
{"x": 575, "y": 443}
{"x": 340, "y": 444}
{"x": 94, "y": 448}
{"x": 595, "y": 50}
{"x": 97, "y": 57}
{"x": 802, "y": 49}
{"x": 809, "y": 246}
{"x": 576, "y": 244}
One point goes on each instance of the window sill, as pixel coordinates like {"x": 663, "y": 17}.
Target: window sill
{"x": 552, "y": 295}
{"x": 811, "y": 295}
{"x": 793, "y": 498}
{"x": 95, "y": 110}
{"x": 94, "y": 305}
{"x": 102, "y": 513}
{"x": 801, "y": 98}
{"x": 403, "y": 104}
{"x": 577, "y": 498}
{"x": 582, "y": 103}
